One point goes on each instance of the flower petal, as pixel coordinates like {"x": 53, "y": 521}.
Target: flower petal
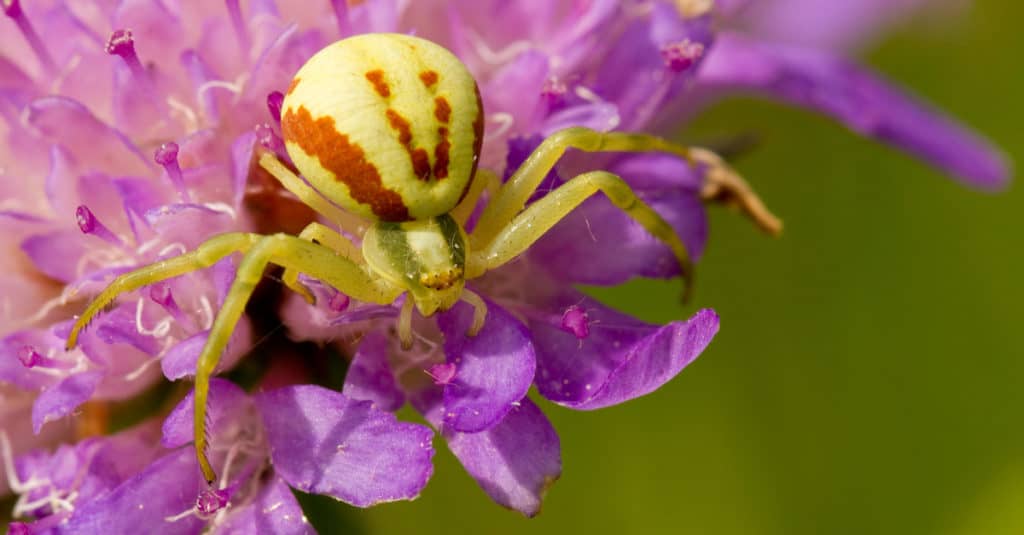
{"x": 93, "y": 144}
{"x": 369, "y": 375}
{"x": 155, "y": 497}
{"x": 64, "y": 397}
{"x": 515, "y": 462}
{"x": 226, "y": 403}
{"x": 493, "y": 371}
{"x": 56, "y": 254}
{"x": 634, "y": 74}
{"x": 599, "y": 244}
{"x": 621, "y": 358}
{"x": 324, "y": 442}
{"x": 274, "y": 511}
{"x": 859, "y": 99}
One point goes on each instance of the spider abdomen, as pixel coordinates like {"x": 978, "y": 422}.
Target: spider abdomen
{"x": 388, "y": 126}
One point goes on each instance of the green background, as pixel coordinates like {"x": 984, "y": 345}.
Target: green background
{"x": 867, "y": 377}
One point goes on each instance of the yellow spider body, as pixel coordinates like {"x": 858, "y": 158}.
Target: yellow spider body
{"x": 389, "y": 127}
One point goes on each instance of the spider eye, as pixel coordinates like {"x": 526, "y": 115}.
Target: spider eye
{"x": 388, "y": 126}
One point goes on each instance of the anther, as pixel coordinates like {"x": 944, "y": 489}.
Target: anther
{"x": 338, "y": 302}
{"x": 30, "y": 358}
{"x": 553, "y": 90}
{"x": 576, "y": 321}
{"x": 442, "y": 374}
{"x": 88, "y": 224}
{"x": 12, "y": 8}
{"x": 681, "y": 55}
{"x": 161, "y": 294}
{"x": 269, "y": 139}
{"x": 211, "y": 500}
{"x": 167, "y": 156}
{"x": 122, "y": 44}
{"x": 238, "y": 23}
{"x": 275, "y": 101}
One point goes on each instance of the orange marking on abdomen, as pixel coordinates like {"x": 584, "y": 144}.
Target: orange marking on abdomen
{"x": 442, "y": 110}
{"x": 346, "y": 160}
{"x": 428, "y": 78}
{"x": 379, "y": 85}
{"x": 441, "y": 154}
{"x": 419, "y": 158}
{"x": 292, "y": 86}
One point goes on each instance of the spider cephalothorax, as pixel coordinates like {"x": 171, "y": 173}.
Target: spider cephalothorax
{"x": 389, "y": 127}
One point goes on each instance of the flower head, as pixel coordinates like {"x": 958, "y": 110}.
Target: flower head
{"x": 104, "y": 178}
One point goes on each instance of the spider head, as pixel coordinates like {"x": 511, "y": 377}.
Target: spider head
{"x": 388, "y": 126}
{"x": 426, "y": 257}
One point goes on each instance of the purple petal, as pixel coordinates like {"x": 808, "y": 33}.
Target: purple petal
{"x": 164, "y": 490}
{"x": 493, "y": 370}
{"x": 598, "y": 244}
{"x": 56, "y": 254}
{"x": 274, "y": 510}
{"x": 859, "y": 99}
{"x": 62, "y": 398}
{"x": 621, "y": 358}
{"x": 92, "y": 143}
{"x": 635, "y": 75}
{"x": 369, "y": 375}
{"x": 180, "y": 360}
{"x": 838, "y": 24}
{"x": 515, "y": 462}
{"x": 323, "y": 442}
{"x": 189, "y": 224}
{"x": 226, "y": 401}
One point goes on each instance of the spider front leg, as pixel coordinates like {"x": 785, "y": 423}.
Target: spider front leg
{"x": 324, "y": 235}
{"x": 294, "y": 254}
{"x": 539, "y": 217}
{"x": 309, "y": 196}
{"x": 207, "y": 254}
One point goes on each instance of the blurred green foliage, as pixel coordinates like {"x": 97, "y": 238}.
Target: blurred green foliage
{"x": 868, "y": 374}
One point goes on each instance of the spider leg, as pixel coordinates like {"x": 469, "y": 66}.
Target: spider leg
{"x": 544, "y": 213}
{"x": 309, "y": 196}
{"x": 207, "y": 254}
{"x": 483, "y": 181}
{"x": 292, "y": 253}
{"x": 324, "y": 235}
{"x": 723, "y": 182}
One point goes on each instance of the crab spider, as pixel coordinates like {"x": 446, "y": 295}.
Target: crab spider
{"x": 389, "y": 127}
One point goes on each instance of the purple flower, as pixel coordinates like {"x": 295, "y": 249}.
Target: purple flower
{"x": 133, "y": 137}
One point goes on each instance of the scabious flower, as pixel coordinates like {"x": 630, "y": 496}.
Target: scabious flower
{"x": 132, "y": 138}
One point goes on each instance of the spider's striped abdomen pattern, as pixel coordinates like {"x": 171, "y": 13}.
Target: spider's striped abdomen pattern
{"x": 388, "y": 126}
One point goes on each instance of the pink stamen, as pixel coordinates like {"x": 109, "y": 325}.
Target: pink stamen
{"x": 122, "y": 44}
{"x": 89, "y": 224}
{"x": 12, "y": 8}
{"x": 553, "y": 90}
{"x": 211, "y": 500}
{"x": 18, "y": 528}
{"x": 167, "y": 156}
{"x": 238, "y": 23}
{"x": 161, "y": 294}
{"x": 338, "y": 302}
{"x": 274, "y": 102}
{"x": 29, "y": 357}
{"x": 576, "y": 321}
{"x": 269, "y": 139}
{"x": 341, "y": 14}
{"x": 442, "y": 374}
{"x": 681, "y": 55}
